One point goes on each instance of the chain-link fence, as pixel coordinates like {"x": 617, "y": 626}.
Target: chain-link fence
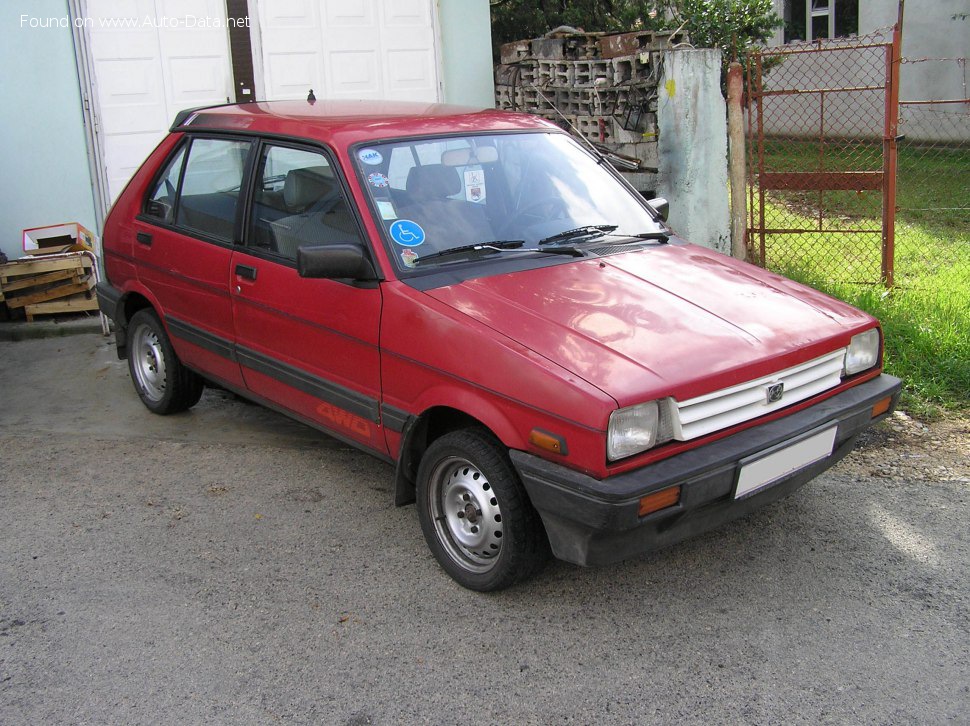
{"x": 816, "y": 159}
{"x": 933, "y": 198}
{"x": 828, "y": 198}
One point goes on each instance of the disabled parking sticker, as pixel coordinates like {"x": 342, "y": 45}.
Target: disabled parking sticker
{"x": 370, "y": 156}
{"x": 407, "y": 233}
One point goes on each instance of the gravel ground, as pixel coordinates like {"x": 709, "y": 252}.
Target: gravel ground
{"x": 228, "y": 566}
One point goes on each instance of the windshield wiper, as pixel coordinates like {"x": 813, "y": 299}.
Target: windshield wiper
{"x": 590, "y": 230}
{"x": 485, "y": 248}
{"x": 660, "y": 236}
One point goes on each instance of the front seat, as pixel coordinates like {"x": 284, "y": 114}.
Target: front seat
{"x": 447, "y": 222}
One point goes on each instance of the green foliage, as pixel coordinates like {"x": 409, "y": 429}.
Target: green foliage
{"x": 731, "y": 25}
{"x": 525, "y": 19}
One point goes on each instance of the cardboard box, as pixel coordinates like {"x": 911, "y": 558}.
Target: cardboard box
{"x": 67, "y": 237}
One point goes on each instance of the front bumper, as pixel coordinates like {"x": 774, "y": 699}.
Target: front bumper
{"x": 596, "y": 521}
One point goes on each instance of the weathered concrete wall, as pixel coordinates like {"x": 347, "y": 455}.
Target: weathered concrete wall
{"x": 47, "y": 179}
{"x": 466, "y": 52}
{"x": 692, "y": 147}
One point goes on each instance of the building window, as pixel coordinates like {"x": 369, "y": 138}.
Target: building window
{"x": 820, "y": 19}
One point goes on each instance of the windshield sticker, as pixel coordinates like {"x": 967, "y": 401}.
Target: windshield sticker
{"x": 386, "y": 209}
{"x": 370, "y": 156}
{"x": 475, "y": 185}
{"x": 378, "y": 180}
{"x": 409, "y": 258}
{"x": 407, "y": 233}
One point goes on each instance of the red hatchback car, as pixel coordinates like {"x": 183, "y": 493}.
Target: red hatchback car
{"x": 480, "y": 299}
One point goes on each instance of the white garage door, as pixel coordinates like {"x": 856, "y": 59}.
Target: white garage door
{"x": 145, "y": 60}
{"x": 148, "y": 59}
{"x": 349, "y": 49}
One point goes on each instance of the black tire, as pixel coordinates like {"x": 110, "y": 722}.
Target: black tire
{"x": 475, "y": 514}
{"x": 164, "y": 385}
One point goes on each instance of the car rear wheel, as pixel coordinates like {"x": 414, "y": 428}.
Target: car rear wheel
{"x": 475, "y": 514}
{"x": 164, "y": 385}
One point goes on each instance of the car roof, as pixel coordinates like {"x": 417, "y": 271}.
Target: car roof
{"x": 347, "y": 122}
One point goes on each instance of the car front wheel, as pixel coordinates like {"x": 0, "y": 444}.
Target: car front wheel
{"x": 475, "y": 514}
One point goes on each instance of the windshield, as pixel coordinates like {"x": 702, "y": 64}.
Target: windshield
{"x": 435, "y": 195}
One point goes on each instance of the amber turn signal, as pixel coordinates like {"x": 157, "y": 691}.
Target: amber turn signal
{"x": 659, "y": 500}
{"x": 547, "y": 441}
{"x": 880, "y": 408}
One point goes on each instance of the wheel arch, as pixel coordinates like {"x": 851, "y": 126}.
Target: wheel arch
{"x": 130, "y": 303}
{"x": 420, "y": 431}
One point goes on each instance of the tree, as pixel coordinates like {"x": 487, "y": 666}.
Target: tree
{"x": 733, "y": 26}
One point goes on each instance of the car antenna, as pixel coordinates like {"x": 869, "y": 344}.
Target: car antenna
{"x": 609, "y": 157}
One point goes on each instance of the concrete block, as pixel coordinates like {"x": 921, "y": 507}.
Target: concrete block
{"x": 515, "y": 51}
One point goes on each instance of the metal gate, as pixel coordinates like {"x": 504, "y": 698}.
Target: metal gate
{"x": 822, "y": 159}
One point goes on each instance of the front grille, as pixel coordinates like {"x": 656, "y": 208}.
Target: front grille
{"x": 730, "y": 406}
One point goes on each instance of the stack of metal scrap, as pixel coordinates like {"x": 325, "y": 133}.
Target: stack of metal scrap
{"x": 603, "y": 86}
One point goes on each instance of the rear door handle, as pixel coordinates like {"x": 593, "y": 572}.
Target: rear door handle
{"x": 246, "y": 272}
{"x": 144, "y": 238}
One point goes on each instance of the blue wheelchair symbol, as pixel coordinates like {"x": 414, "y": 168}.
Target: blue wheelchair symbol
{"x": 407, "y": 233}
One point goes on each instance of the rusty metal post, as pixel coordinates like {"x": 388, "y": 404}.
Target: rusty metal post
{"x": 736, "y": 168}
{"x": 761, "y": 161}
{"x": 750, "y": 160}
{"x": 889, "y": 161}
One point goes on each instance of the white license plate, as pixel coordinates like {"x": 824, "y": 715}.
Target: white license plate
{"x": 765, "y": 471}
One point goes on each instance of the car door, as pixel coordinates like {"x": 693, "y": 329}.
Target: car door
{"x": 309, "y": 346}
{"x": 183, "y": 246}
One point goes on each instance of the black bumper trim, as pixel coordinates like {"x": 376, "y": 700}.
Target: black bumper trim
{"x": 591, "y": 521}
{"x": 345, "y": 398}
{"x": 108, "y": 298}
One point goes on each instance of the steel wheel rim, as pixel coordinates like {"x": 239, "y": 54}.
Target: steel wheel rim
{"x": 149, "y": 362}
{"x": 466, "y": 514}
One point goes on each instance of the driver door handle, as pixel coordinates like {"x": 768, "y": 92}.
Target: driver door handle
{"x": 246, "y": 272}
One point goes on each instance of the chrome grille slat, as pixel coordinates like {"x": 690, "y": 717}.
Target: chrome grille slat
{"x": 729, "y": 406}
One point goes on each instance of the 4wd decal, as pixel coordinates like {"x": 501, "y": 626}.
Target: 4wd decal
{"x": 344, "y": 419}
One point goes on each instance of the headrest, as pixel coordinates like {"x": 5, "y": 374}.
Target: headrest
{"x": 303, "y": 187}
{"x": 433, "y": 181}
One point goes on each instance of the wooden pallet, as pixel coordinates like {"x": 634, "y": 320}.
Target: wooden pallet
{"x": 81, "y": 302}
{"x": 37, "y": 266}
{"x": 48, "y": 292}
{"x": 47, "y": 286}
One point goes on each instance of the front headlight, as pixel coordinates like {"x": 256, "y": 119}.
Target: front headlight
{"x": 632, "y": 430}
{"x": 863, "y": 352}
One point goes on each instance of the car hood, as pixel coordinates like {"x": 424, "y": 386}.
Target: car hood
{"x": 673, "y": 319}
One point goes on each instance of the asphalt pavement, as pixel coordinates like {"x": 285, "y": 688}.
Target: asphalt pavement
{"x": 229, "y": 566}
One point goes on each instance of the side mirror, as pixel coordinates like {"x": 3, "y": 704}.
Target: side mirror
{"x": 661, "y": 206}
{"x": 345, "y": 260}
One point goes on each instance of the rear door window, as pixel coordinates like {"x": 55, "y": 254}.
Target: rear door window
{"x": 208, "y": 198}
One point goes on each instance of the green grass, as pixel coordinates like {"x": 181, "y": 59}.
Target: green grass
{"x": 926, "y": 316}
{"x": 927, "y": 339}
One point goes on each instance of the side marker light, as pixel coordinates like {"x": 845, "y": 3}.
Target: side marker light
{"x": 880, "y": 408}
{"x": 659, "y": 500}
{"x": 547, "y": 441}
